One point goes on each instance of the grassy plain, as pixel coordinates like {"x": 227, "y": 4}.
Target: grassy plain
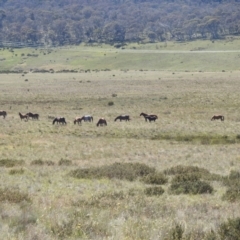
{"x": 60, "y": 206}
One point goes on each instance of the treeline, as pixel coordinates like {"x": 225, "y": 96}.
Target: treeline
{"x": 64, "y": 22}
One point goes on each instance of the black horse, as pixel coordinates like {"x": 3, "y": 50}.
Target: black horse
{"x": 123, "y": 117}
{"x": 59, "y": 120}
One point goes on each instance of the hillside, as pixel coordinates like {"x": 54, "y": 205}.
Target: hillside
{"x": 68, "y": 22}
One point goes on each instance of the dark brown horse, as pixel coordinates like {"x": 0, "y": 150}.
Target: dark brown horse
{"x": 33, "y": 115}
{"x": 77, "y": 120}
{"x": 102, "y": 122}
{"x": 149, "y": 117}
{"x": 217, "y": 117}
{"x": 3, "y": 113}
{"x": 123, "y": 117}
{"x": 23, "y": 117}
{"x": 59, "y": 120}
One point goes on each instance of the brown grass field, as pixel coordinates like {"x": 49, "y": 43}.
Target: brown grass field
{"x": 44, "y": 201}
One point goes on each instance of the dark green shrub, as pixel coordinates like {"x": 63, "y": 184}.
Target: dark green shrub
{"x": 189, "y": 184}
{"x": 128, "y": 171}
{"x": 154, "y": 191}
{"x": 200, "y": 172}
{"x": 230, "y": 230}
{"x": 155, "y": 178}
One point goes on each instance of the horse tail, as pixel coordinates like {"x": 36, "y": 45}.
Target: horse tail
{"x": 116, "y": 119}
{"x": 92, "y": 119}
{"x": 105, "y": 122}
{"x": 222, "y": 118}
{"x": 54, "y": 121}
{"x": 75, "y": 121}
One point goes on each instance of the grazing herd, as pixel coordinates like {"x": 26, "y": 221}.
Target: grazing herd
{"x": 89, "y": 118}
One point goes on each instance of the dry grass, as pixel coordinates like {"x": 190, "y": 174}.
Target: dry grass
{"x": 62, "y": 207}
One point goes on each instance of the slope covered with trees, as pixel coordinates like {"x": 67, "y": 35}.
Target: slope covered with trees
{"x": 63, "y": 22}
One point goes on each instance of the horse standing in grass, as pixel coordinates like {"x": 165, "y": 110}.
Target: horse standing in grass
{"x": 149, "y": 117}
{"x": 102, "y": 122}
{"x": 23, "y": 117}
{"x": 123, "y": 117}
{"x": 77, "y": 120}
{"x": 3, "y": 113}
{"x": 217, "y": 117}
{"x": 33, "y": 115}
{"x": 87, "y": 118}
{"x": 59, "y": 120}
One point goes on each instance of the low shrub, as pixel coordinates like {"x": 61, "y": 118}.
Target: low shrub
{"x": 37, "y": 162}
{"x": 13, "y": 196}
{"x": 127, "y": 171}
{"x": 230, "y": 230}
{"x": 65, "y": 162}
{"x": 232, "y": 181}
{"x": 176, "y": 233}
{"x": 189, "y": 184}
{"x": 10, "y": 163}
{"x": 155, "y": 178}
{"x": 154, "y": 191}
{"x": 16, "y": 171}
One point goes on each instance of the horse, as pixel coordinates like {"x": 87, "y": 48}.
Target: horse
{"x": 149, "y": 117}
{"x": 23, "y": 116}
{"x": 216, "y": 117}
{"x": 101, "y": 122}
{"x": 3, "y": 113}
{"x": 123, "y": 117}
{"x": 59, "y": 120}
{"x": 77, "y": 120}
{"x": 87, "y": 118}
{"x": 33, "y": 115}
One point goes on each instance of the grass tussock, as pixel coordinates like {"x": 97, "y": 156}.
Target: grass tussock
{"x": 126, "y": 171}
{"x": 13, "y": 196}
{"x": 10, "y": 163}
{"x": 64, "y": 162}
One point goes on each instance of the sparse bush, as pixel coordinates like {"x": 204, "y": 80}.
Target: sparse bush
{"x": 13, "y": 196}
{"x": 128, "y": 171}
{"x": 114, "y": 95}
{"x": 10, "y": 163}
{"x": 176, "y": 233}
{"x": 230, "y": 230}
{"x": 154, "y": 191}
{"x": 16, "y": 171}
{"x": 155, "y": 178}
{"x": 65, "y": 162}
{"x": 110, "y": 103}
{"x": 37, "y": 162}
{"x": 233, "y": 183}
{"x": 189, "y": 184}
